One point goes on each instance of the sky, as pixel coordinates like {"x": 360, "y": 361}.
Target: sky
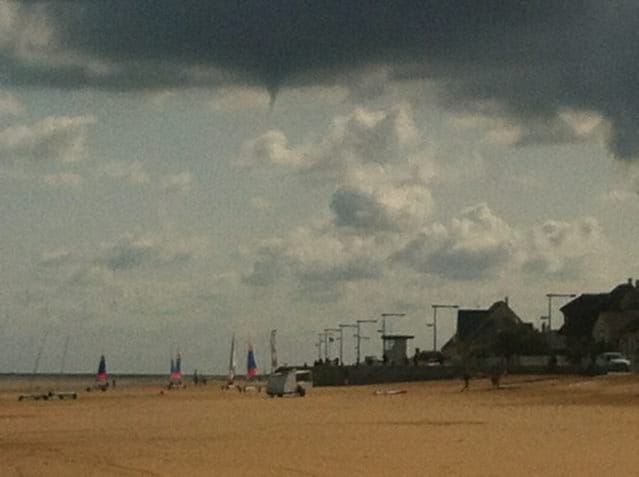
{"x": 176, "y": 172}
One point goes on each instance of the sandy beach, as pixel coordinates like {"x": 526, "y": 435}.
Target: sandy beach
{"x": 532, "y": 426}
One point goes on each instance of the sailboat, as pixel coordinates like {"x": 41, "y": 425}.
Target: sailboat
{"x": 251, "y": 365}
{"x": 101, "y": 377}
{"x": 230, "y": 381}
{"x": 175, "y": 378}
{"x": 251, "y": 371}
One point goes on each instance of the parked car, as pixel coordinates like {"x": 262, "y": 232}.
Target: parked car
{"x": 613, "y": 361}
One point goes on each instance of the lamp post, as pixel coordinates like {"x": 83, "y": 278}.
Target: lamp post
{"x": 435, "y": 308}
{"x": 323, "y": 338}
{"x": 319, "y": 346}
{"x": 550, "y": 297}
{"x": 341, "y": 348}
{"x": 329, "y": 331}
{"x": 359, "y": 336}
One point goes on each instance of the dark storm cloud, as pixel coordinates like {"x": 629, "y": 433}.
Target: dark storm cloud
{"x": 535, "y": 57}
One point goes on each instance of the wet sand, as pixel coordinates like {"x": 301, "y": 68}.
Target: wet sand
{"x": 551, "y": 426}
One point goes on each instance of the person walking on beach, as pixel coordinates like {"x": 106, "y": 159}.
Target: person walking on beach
{"x": 466, "y": 377}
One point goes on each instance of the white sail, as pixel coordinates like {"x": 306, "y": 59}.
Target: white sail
{"x": 232, "y": 363}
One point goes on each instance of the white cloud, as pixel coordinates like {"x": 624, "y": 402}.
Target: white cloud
{"x": 381, "y": 171}
{"x": 367, "y": 136}
{"x": 11, "y": 105}
{"x": 382, "y": 207}
{"x": 55, "y": 258}
{"x": 24, "y": 32}
{"x": 317, "y": 260}
{"x": 620, "y": 195}
{"x": 501, "y": 127}
{"x": 180, "y": 182}
{"x": 137, "y": 251}
{"x": 363, "y": 137}
{"x": 130, "y": 172}
{"x": 28, "y": 35}
{"x": 54, "y": 138}
{"x": 260, "y": 203}
{"x": 271, "y": 148}
{"x": 475, "y": 245}
{"x": 61, "y": 179}
{"x": 563, "y": 248}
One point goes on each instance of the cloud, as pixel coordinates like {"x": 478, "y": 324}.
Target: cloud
{"x": 476, "y": 245}
{"x": 389, "y": 207}
{"x": 381, "y": 137}
{"x": 130, "y": 172}
{"x": 382, "y": 175}
{"x": 317, "y": 260}
{"x": 503, "y": 127}
{"x": 271, "y": 148}
{"x": 537, "y": 58}
{"x": 61, "y": 179}
{"x": 563, "y": 248}
{"x": 55, "y": 258}
{"x": 180, "y": 182}
{"x": 51, "y": 139}
{"x": 10, "y": 105}
{"x": 620, "y": 196}
{"x": 132, "y": 252}
{"x": 260, "y": 203}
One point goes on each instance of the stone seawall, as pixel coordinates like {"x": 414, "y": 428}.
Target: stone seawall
{"x": 354, "y": 375}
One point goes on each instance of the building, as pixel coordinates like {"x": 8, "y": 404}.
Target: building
{"x": 485, "y": 331}
{"x": 601, "y": 317}
{"x": 610, "y": 325}
{"x": 395, "y": 349}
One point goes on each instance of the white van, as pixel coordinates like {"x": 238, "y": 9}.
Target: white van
{"x": 288, "y": 382}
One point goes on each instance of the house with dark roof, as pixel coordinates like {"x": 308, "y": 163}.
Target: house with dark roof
{"x": 601, "y": 317}
{"x": 493, "y": 331}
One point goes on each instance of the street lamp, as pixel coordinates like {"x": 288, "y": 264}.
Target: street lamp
{"x": 323, "y": 339}
{"x": 329, "y": 331}
{"x": 435, "y": 307}
{"x": 341, "y": 348}
{"x": 550, "y": 297}
{"x": 319, "y": 345}
{"x": 359, "y": 336}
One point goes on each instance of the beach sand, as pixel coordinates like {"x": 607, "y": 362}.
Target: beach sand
{"x": 532, "y": 426}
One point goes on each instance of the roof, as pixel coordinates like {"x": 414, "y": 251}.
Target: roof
{"x": 480, "y": 326}
{"x": 468, "y": 321}
{"x": 472, "y": 322}
{"x": 582, "y": 312}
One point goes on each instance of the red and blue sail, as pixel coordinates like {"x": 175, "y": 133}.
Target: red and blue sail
{"x": 251, "y": 366}
{"x": 176, "y": 368}
{"x": 102, "y": 376}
